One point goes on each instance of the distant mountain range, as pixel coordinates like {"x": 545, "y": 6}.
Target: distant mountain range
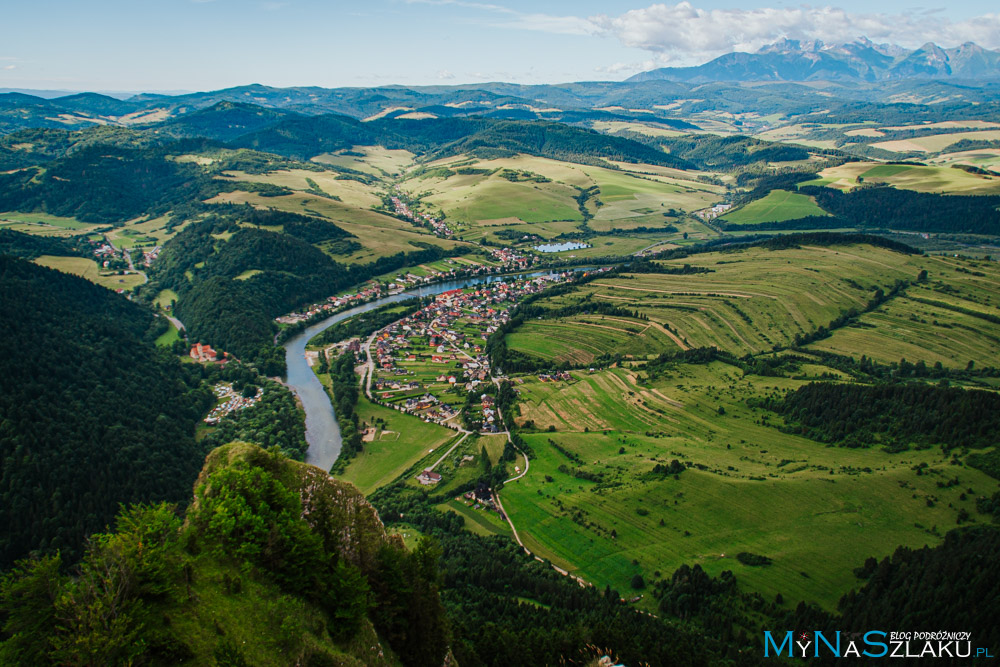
{"x": 862, "y": 60}
{"x": 728, "y": 90}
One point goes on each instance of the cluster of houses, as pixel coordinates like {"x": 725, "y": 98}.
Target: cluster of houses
{"x": 108, "y": 256}
{"x": 372, "y": 290}
{"x": 714, "y": 212}
{"x": 151, "y": 255}
{"x": 441, "y": 346}
{"x": 403, "y": 210}
{"x": 104, "y": 250}
{"x": 559, "y": 376}
{"x": 513, "y": 259}
{"x": 231, "y": 401}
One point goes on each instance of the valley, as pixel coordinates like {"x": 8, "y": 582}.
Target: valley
{"x": 498, "y": 374}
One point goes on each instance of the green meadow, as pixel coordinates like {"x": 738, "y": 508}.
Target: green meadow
{"x": 89, "y": 269}
{"x": 930, "y": 178}
{"x": 949, "y": 319}
{"x": 816, "y": 511}
{"x": 628, "y": 197}
{"x": 777, "y": 206}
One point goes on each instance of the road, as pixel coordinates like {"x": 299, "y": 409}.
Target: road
{"x": 176, "y": 322}
{"x": 370, "y": 365}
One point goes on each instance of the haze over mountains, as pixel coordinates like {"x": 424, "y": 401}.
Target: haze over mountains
{"x": 861, "y": 60}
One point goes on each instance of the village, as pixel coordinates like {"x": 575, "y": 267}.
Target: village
{"x": 427, "y": 364}
{"x": 508, "y": 258}
{"x": 333, "y": 304}
{"x": 403, "y": 210}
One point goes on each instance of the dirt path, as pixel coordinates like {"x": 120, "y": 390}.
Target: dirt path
{"x": 604, "y": 326}
{"x": 616, "y": 298}
{"x": 732, "y": 328}
{"x": 674, "y": 337}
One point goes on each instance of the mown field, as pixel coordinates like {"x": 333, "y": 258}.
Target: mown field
{"x": 816, "y": 511}
{"x": 43, "y": 224}
{"x": 944, "y": 179}
{"x": 777, "y": 206}
{"x": 400, "y": 442}
{"x": 88, "y": 268}
{"x": 987, "y": 158}
{"x": 935, "y": 142}
{"x": 484, "y": 203}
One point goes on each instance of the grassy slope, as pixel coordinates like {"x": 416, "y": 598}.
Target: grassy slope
{"x": 914, "y": 330}
{"x": 783, "y": 293}
{"x": 921, "y": 179}
{"x": 380, "y": 235}
{"x": 88, "y": 269}
{"x": 633, "y": 196}
{"x": 777, "y": 206}
{"x": 814, "y": 524}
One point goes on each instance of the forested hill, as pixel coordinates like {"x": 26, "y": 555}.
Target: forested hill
{"x": 274, "y": 563}
{"x": 303, "y": 138}
{"x": 209, "y": 264}
{"x": 91, "y": 413}
{"x": 103, "y": 183}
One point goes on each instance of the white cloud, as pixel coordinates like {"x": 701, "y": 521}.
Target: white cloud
{"x": 561, "y": 25}
{"x": 10, "y": 67}
{"x": 445, "y": 74}
{"x": 683, "y": 32}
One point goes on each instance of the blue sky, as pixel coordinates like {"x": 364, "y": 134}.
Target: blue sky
{"x": 119, "y": 45}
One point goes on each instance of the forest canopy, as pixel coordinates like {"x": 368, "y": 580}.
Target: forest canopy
{"x": 93, "y": 414}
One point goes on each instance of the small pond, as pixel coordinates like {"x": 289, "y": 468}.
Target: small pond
{"x": 561, "y": 247}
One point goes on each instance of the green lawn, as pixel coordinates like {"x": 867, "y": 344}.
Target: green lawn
{"x": 481, "y": 522}
{"x": 165, "y": 298}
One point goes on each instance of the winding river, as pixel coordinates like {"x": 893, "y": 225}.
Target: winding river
{"x": 322, "y": 430}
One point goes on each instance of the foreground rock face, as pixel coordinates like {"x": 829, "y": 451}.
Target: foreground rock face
{"x": 335, "y": 510}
